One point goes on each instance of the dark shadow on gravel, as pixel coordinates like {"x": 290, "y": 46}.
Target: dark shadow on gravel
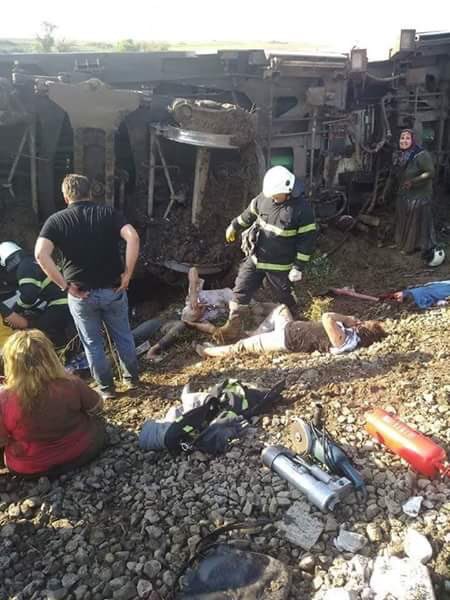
{"x": 341, "y": 368}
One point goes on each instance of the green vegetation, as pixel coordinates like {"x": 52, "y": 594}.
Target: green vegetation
{"x": 47, "y": 41}
{"x": 319, "y": 268}
{"x": 130, "y": 45}
{"x": 317, "y": 307}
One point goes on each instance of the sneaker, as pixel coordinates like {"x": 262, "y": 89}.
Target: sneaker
{"x": 107, "y": 393}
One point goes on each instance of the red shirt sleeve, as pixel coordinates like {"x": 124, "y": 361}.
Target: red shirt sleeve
{"x": 4, "y": 435}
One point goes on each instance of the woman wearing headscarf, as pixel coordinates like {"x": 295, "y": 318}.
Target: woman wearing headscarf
{"x": 414, "y": 228}
{"x": 48, "y": 419}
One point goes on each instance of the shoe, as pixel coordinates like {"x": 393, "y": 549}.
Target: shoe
{"x": 130, "y": 384}
{"x": 199, "y": 349}
{"x": 233, "y": 329}
{"x": 107, "y": 393}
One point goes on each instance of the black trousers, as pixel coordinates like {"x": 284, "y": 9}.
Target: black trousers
{"x": 250, "y": 279}
{"x": 56, "y": 322}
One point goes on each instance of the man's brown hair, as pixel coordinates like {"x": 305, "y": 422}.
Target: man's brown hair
{"x": 75, "y": 187}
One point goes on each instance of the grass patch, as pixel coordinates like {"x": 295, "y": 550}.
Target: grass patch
{"x": 317, "y": 307}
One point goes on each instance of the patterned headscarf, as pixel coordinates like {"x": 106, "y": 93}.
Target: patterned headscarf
{"x": 407, "y": 155}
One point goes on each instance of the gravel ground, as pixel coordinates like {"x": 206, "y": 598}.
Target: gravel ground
{"x": 120, "y": 528}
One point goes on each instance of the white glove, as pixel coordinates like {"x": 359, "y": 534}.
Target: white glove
{"x": 230, "y": 234}
{"x": 295, "y": 275}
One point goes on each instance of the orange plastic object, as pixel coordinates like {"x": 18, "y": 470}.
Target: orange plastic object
{"x": 420, "y": 452}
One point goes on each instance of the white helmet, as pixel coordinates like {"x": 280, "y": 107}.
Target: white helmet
{"x": 437, "y": 258}
{"x": 7, "y": 252}
{"x": 278, "y": 180}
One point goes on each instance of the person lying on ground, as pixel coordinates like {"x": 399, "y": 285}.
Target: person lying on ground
{"x": 202, "y": 309}
{"x": 280, "y": 333}
{"x": 435, "y": 293}
{"x": 172, "y": 331}
{"x": 48, "y": 419}
{"x": 142, "y": 334}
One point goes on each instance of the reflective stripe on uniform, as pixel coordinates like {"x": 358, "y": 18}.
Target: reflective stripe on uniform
{"x": 276, "y": 230}
{"x": 241, "y": 221}
{"x": 30, "y": 280}
{"x": 273, "y": 267}
{"x": 40, "y": 284}
{"x": 303, "y": 257}
{"x": 188, "y": 429}
{"x": 23, "y": 305}
{"x": 229, "y": 413}
{"x": 58, "y": 302}
{"x": 307, "y": 228}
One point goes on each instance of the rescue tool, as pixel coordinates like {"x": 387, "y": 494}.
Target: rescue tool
{"x": 312, "y": 438}
{"x": 323, "y": 488}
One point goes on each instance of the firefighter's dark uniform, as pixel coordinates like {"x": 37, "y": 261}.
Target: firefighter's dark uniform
{"x": 285, "y": 237}
{"x": 34, "y": 288}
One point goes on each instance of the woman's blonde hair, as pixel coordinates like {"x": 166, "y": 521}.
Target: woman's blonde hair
{"x": 31, "y": 363}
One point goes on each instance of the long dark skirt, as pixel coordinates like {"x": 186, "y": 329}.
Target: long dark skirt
{"x": 414, "y": 228}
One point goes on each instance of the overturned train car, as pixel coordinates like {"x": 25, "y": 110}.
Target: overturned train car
{"x": 180, "y": 140}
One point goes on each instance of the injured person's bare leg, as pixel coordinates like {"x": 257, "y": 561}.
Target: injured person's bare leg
{"x": 193, "y": 309}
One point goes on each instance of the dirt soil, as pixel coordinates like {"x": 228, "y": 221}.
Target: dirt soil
{"x": 18, "y": 222}
{"x": 175, "y": 238}
{"x": 121, "y": 528}
{"x": 233, "y": 120}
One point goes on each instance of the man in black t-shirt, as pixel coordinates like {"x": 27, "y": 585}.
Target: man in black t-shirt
{"x": 94, "y": 276}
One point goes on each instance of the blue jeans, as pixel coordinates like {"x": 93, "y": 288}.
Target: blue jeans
{"x": 108, "y": 307}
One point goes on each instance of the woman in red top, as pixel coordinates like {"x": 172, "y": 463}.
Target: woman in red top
{"x": 47, "y": 418}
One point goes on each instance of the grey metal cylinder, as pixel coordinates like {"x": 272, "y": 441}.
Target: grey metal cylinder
{"x": 280, "y": 460}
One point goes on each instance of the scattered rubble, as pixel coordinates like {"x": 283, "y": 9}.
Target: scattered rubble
{"x": 124, "y": 525}
{"x": 347, "y": 541}
{"x": 403, "y": 579}
{"x": 417, "y": 546}
{"x": 412, "y": 506}
{"x": 300, "y": 527}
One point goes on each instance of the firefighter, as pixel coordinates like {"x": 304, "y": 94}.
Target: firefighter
{"x": 278, "y": 237}
{"x": 34, "y": 288}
